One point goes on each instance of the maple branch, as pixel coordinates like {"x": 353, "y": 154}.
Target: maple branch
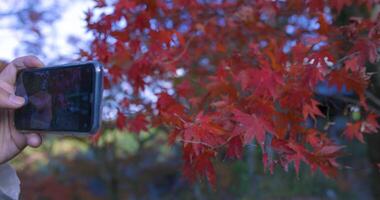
{"x": 341, "y": 60}
{"x": 372, "y": 97}
{"x": 206, "y": 144}
{"x": 180, "y": 118}
{"x": 355, "y": 101}
{"x": 197, "y": 142}
{"x": 180, "y": 55}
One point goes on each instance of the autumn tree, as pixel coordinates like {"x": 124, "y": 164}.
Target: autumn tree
{"x": 219, "y": 75}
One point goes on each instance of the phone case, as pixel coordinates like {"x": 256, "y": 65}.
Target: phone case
{"x": 97, "y": 102}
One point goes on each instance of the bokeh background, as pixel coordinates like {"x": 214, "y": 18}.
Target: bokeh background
{"x": 123, "y": 165}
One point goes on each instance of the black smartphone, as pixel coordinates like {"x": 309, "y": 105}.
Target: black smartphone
{"x": 60, "y": 99}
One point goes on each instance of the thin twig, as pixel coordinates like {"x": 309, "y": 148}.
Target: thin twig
{"x": 180, "y": 55}
{"x": 355, "y": 101}
{"x": 340, "y": 61}
{"x": 206, "y": 144}
{"x": 372, "y": 97}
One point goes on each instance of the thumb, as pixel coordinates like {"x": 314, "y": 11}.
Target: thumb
{"x": 7, "y": 97}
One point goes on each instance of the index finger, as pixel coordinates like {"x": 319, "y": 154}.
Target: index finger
{"x": 9, "y": 73}
{"x": 26, "y": 61}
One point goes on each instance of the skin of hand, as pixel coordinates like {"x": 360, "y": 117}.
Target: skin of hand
{"x": 12, "y": 141}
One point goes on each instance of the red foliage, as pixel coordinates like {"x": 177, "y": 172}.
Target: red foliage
{"x": 120, "y": 120}
{"x": 241, "y": 71}
{"x": 356, "y": 129}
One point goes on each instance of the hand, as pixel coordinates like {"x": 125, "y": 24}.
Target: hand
{"x": 13, "y": 142}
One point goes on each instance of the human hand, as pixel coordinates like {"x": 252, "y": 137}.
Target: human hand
{"x": 12, "y": 141}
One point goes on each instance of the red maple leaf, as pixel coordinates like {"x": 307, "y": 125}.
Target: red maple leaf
{"x": 121, "y": 121}
{"x": 204, "y": 132}
{"x": 138, "y": 123}
{"x": 356, "y": 129}
{"x": 367, "y": 51}
{"x": 356, "y": 81}
{"x": 198, "y": 164}
{"x": 300, "y": 154}
{"x": 251, "y": 127}
{"x": 353, "y": 130}
{"x": 235, "y": 148}
{"x": 311, "y": 110}
{"x": 262, "y": 81}
{"x": 370, "y": 124}
{"x": 353, "y": 64}
{"x": 124, "y": 5}
{"x": 204, "y": 166}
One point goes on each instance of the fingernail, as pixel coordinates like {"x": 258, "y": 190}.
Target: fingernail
{"x": 16, "y": 99}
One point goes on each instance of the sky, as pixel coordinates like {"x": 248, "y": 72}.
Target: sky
{"x": 71, "y": 23}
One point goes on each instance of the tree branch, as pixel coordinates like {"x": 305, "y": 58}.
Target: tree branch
{"x": 372, "y": 97}
{"x": 340, "y": 61}
{"x": 355, "y": 101}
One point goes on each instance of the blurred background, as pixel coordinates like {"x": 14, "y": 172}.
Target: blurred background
{"x": 123, "y": 165}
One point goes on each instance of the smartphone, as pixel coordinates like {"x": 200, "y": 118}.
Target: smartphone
{"x": 60, "y": 99}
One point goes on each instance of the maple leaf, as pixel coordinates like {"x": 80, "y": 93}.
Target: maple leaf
{"x": 138, "y": 123}
{"x": 142, "y": 20}
{"x": 121, "y": 121}
{"x": 188, "y": 156}
{"x": 204, "y": 165}
{"x": 370, "y": 124}
{"x": 170, "y": 111}
{"x": 174, "y": 109}
{"x": 120, "y": 36}
{"x": 281, "y": 146}
{"x": 353, "y": 130}
{"x": 313, "y": 76}
{"x": 162, "y": 36}
{"x": 198, "y": 164}
{"x": 235, "y": 148}
{"x": 316, "y": 5}
{"x": 262, "y": 81}
{"x": 356, "y": 129}
{"x": 299, "y": 52}
{"x": 173, "y": 135}
{"x": 137, "y": 72}
{"x": 356, "y": 81}
{"x": 312, "y": 110}
{"x": 204, "y": 131}
{"x": 251, "y": 126}
{"x": 352, "y": 64}
{"x": 218, "y": 87}
{"x": 315, "y": 138}
{"x": 297, "y": 156}
{"x": 330, "y": 150}
{"x": 124, "y": 5}
{"x": 324, "y": 158}
{"x": 116, "y": 72}
{"x": 367, "y": 51}
{"x": 324, "y": 27}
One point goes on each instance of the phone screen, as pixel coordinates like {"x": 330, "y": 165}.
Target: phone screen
{"x": 57, "y": 99}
